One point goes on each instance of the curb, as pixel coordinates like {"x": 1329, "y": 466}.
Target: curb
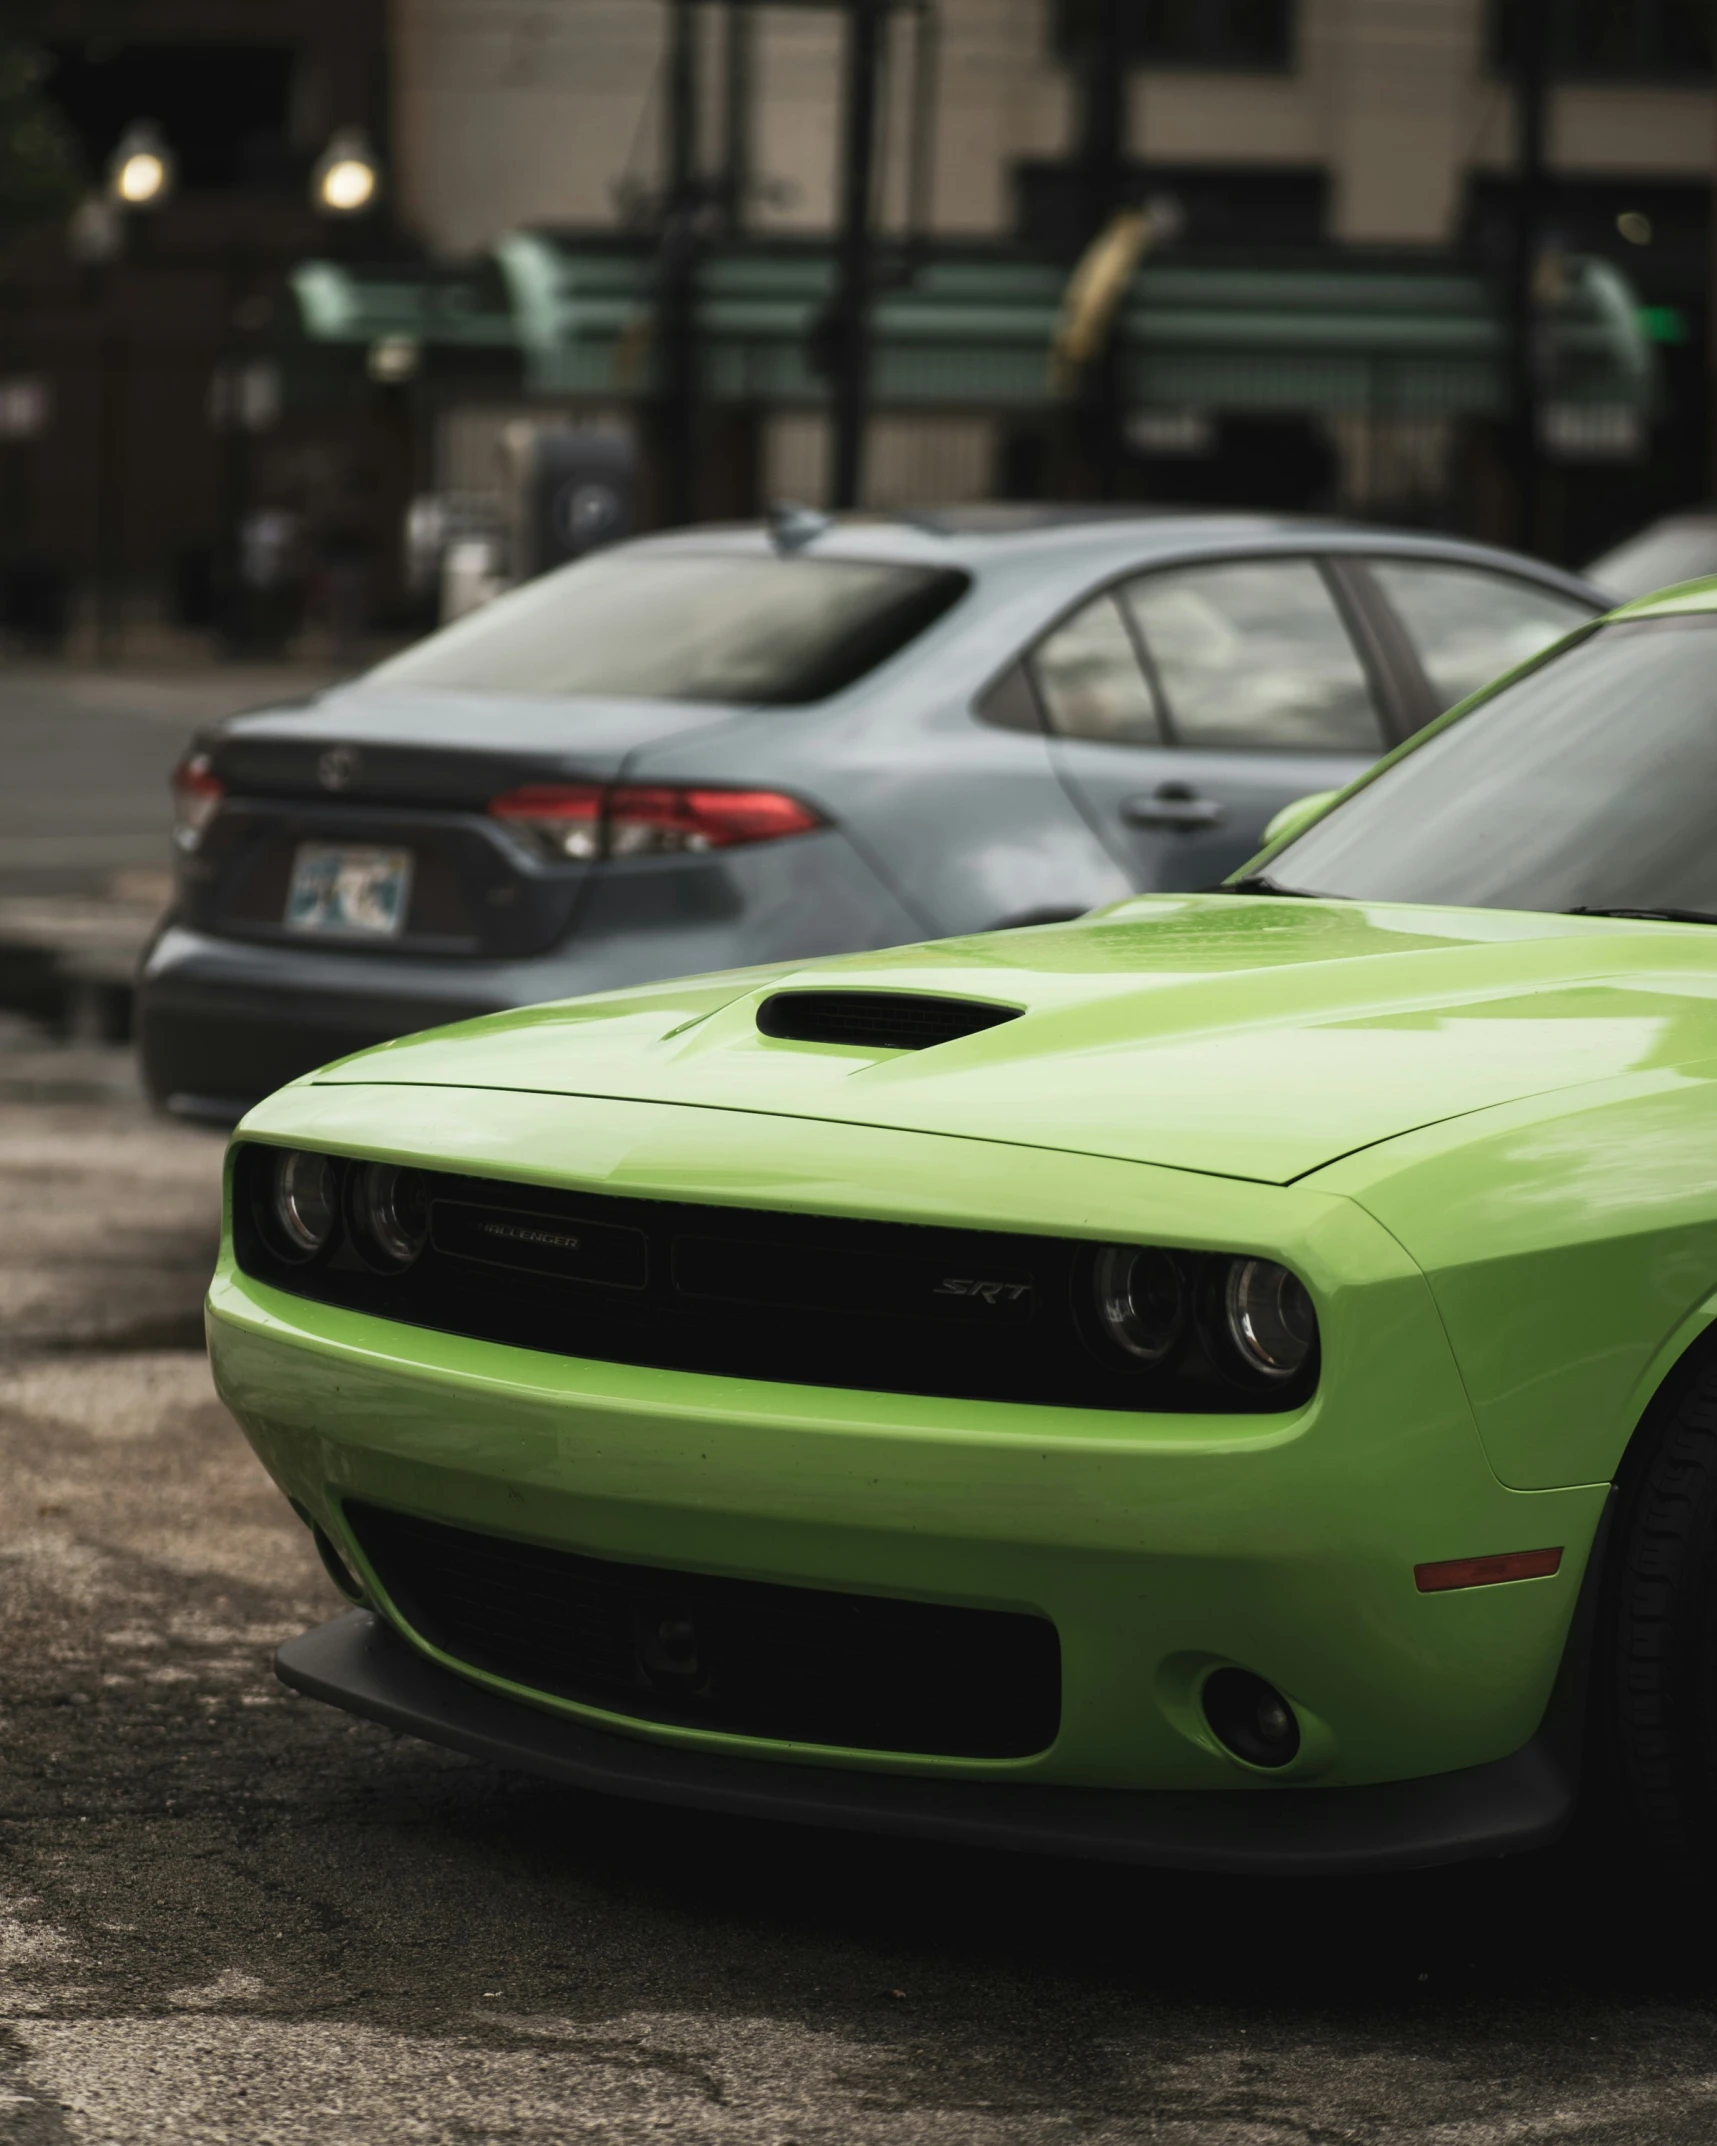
{"x": 70, "y": 962}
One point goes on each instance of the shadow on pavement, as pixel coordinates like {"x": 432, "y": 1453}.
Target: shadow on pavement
{"x": 228, "y": 1908}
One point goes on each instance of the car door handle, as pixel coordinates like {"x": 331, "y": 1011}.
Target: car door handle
{"x": 1175, "y": 805}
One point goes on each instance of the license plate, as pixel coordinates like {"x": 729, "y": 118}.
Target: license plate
{"x": 351, "y": 893}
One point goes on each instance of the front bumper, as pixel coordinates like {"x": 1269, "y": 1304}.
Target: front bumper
{"x": 1159, "y": 1546}
{"x": 1519, "y": 1802}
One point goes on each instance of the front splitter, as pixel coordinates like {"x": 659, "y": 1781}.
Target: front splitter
{"x": 1524, "y": 1801}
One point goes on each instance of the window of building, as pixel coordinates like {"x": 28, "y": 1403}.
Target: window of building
{"x": 1190, "y": 33}
{"x": 1242, "y": 205}
{"x": 1626, "y": 40}
{"x": 224, "y": 109}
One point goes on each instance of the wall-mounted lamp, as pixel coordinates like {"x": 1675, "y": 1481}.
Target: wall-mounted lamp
{"x": 347, "y": 176}
{"x": 140, "y": 172}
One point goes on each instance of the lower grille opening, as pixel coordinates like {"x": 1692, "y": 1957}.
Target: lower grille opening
{"x": 796, "y": 1664}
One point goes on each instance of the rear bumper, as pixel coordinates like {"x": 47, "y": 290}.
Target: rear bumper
{"x": 1523, "y": 1801}
{"x": 212, "y": 1059}
{"x": 221, "y": 1023}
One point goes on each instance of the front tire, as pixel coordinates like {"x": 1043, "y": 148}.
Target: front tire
{"x": 1655, "y": 1670}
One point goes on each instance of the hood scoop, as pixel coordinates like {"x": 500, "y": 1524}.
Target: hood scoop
{"x": 877, "y": 1020}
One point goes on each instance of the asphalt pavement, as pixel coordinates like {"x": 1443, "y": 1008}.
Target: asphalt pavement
{"x": 85, "y": 756}
{"x": 229, "y": 1914}
{"x": 85, "y": 815}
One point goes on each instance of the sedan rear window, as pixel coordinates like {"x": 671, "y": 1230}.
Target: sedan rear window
{"x": 707, "y": 626}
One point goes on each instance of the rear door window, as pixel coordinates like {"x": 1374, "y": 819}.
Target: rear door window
{"x": 1467, "y": 624}
{"x": 1253, "y": 655}
{"x": 1090, "y": 681}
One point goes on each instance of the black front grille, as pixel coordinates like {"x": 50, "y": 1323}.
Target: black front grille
{"x": 816, "y": 1300}
{"x": 877, "y": 1020}
{"x": 797, "y": 1664}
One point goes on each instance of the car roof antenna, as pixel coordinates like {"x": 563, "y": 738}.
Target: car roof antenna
{"x": 792, "y": 526}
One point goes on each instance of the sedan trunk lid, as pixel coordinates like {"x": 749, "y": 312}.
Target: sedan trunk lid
{"x": 417, "y": 746}
{"x": 411, "y": 774}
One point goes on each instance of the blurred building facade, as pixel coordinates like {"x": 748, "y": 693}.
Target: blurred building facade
{"x": 166, "y": 398}
{"x": 155, "y": 469}
{"x": 516, "y": 112}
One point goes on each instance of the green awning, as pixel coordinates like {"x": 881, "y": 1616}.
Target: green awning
{"x": 359, "y": 304}
{"x": 974, "y": 334}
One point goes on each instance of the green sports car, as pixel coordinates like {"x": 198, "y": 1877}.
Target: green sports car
{"x": 1226, "y": 1383}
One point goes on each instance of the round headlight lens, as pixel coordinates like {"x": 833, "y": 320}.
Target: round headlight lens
{"x": 393, "y": 1211}
{"x": 306, "y": 1201}
{"x": 1269, "y": 1318}
{"x": 1141, "y": 1301}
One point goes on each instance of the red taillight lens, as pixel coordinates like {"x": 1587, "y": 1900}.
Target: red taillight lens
{"x": 197, "y": 794}
{"x": 564, "y": 819}
{"x": 1486, "y": 1571}
{"x": 583, "y": 821}
{"x": 642, "y": 821}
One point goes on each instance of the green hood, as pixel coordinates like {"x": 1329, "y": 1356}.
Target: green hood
{"x": 1244, "y": 1037}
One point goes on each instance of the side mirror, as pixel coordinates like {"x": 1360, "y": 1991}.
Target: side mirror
{"x": 1296, "y": 818}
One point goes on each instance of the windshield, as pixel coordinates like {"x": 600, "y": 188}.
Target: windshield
{"x": 710, "y": 626}
{"x": 1589, "y": 783}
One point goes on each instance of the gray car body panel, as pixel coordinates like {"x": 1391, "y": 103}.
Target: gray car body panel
{"x": 588, "y": 736}
{"x": 939, "y": 822}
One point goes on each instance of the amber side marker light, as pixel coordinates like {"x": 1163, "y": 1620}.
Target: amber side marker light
{"x": 1486, "y": 1571}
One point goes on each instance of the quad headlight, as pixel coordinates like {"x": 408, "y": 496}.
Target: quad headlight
{"x": 305, "y": 1203}
{"x": 1268, "y": 1318}
{"x": 1141, "y": 1301}
{"x": 305, "y": 1198}
{"x": 390, "y": 1213}
{"x": 1249, "y": 1320}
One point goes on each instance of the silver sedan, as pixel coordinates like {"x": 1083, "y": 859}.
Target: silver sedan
{"x": 731, "y": 746}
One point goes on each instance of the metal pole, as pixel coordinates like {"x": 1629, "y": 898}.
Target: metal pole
{"x": 1535, "y": 24}
{"x": 226, "y": 586}
{"x": 1103, "y": 167}
{"x": 682, "y": 99}
{"x": 853, "y": 254}
{"x": 677, "y": 268}
{"x": 109, "y": 477}
{"x": 1103, "y": 113}
{"x": 1711, "y": 342}
{"x": 736, "y": 113}
{"x": 921, "y": 176}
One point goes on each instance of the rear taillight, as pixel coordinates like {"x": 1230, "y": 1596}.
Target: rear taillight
{"x": 563, "y": 819}
{"x": 582, "y": 821}
{"x": 644, "y": 822}
{"x": 197, "y": 794}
